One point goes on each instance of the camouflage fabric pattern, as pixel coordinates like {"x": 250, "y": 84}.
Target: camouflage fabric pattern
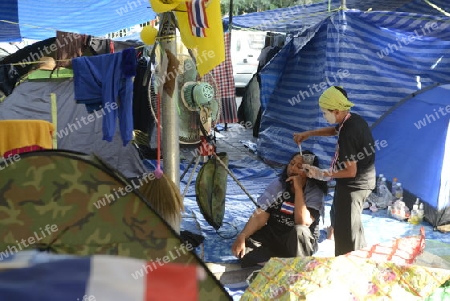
{"x": 61, "y": 188}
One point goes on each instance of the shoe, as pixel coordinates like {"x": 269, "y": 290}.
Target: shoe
{"x": 366, "y": 205}
{"x": 252, "y": 277}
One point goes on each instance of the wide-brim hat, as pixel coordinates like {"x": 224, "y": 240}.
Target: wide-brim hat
{"x": 47, "y": 63}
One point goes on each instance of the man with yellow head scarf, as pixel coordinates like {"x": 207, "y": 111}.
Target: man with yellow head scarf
{"x": 353, "y": 167}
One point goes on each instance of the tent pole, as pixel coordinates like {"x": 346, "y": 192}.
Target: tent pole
{"x": 344, "y": 4}
{"x": 230, "y": 16}
{"x": 170, "y": 121}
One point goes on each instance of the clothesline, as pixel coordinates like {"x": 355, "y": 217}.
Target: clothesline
{"x": 52, "y": 29}
{"x": 35, "y": 62}
{"x": 29, "y": 25}
{"x": 165, "y": 38}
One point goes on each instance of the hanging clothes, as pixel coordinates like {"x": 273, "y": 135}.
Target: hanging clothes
{"x": 142, "y": 115}
{"x": 8, "y": 78}
{"x": 17, "y": 136}
{"x": 250, "y": 103}
{"x": 118, "y": 46}
{"x": 99, "y": 46}
{"x": 27, "y": 55}
{"x": 223, "y": 75}
{"x": 266, "y": 55}
{"x": 105, "y": 83}
{"x": 69, "y": 45}
{"x": 21, "y": 150}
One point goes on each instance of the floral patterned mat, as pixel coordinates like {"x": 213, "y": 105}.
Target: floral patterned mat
{"x": 343, "y": 278}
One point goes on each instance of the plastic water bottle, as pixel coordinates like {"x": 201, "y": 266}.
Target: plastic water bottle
{"x": 399, "y": 191}
{"x": 383, "y": 183}
{"x": 384, "y": 198}
{"x": 421, "y": 211}
{"x": 380, "y": 184}
{"x": 394, "y": 186}
{"x": 380, "y": 178}
{"x": 393, "y": 190}
{"x": 414, "y": 217}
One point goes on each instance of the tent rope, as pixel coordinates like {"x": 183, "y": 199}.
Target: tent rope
{"x": 235, "y": 179}
{"x": 197, "y": 161}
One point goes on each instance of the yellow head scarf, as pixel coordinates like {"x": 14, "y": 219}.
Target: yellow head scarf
{"x": 333, "y": 99}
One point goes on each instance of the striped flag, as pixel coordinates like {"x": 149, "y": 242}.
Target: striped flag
{"x": 198, "y": 20}
{"x": 98, "y": 278}
{"x": 287, "y": 208}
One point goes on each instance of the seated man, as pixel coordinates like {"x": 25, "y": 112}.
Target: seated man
{"x": 286, "y": 224}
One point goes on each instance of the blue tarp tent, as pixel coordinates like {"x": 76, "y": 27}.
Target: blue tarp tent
{"x": 379, "y": 56}
{"x": 380, "y": 51}
{"x": 363, "y": 52}
{"x": 300, "y": 17}
{"x": 416, "y": 132}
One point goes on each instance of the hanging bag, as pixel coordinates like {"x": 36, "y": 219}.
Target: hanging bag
{"x": 210, "y": 190}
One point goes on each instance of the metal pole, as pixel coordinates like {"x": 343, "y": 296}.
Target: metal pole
{"x": 170, "y": 120}
{"x": 170, "y": 137}
{"x": 230, "y": 16}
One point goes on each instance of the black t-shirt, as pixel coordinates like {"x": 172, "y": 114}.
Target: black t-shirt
{"x": 281, "y": 219}
{"x": 356, "y": 144}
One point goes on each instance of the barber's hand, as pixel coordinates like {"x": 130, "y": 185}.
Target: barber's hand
{"x": 298, "y": 181}
{"x": 238, "y": 247}
{"x": 300, "y": 137}
{"x": 313, "y": 171}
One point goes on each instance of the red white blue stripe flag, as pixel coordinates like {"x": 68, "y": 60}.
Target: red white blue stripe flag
{"x": 287, "y": 208}
{"x": 98, "y": 278}
{"x": 196, "y": 10}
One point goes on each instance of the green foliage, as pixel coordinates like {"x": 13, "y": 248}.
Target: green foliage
{"x": 249, "y": 6}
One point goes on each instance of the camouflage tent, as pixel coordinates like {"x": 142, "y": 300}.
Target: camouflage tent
{"x": 71, "y": 203}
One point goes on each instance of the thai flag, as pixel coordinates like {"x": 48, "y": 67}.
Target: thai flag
{"x": 98, "y": 278}
{"x": 198, "y": 32}
{"x": 287, "y": 208}
{"x": 198, "y": 20}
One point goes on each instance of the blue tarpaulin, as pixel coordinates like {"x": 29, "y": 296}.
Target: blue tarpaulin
{"x": 300, "y": 17}
{"x": 9, "y": 19}
{"x": 378, "y": 57}
{"x": 35, "y": 20}
{"x": 417, "y": 152}
{"x": 380, "y": 51}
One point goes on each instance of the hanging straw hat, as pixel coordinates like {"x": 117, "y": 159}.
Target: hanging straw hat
{"x": 47, "y": 63}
